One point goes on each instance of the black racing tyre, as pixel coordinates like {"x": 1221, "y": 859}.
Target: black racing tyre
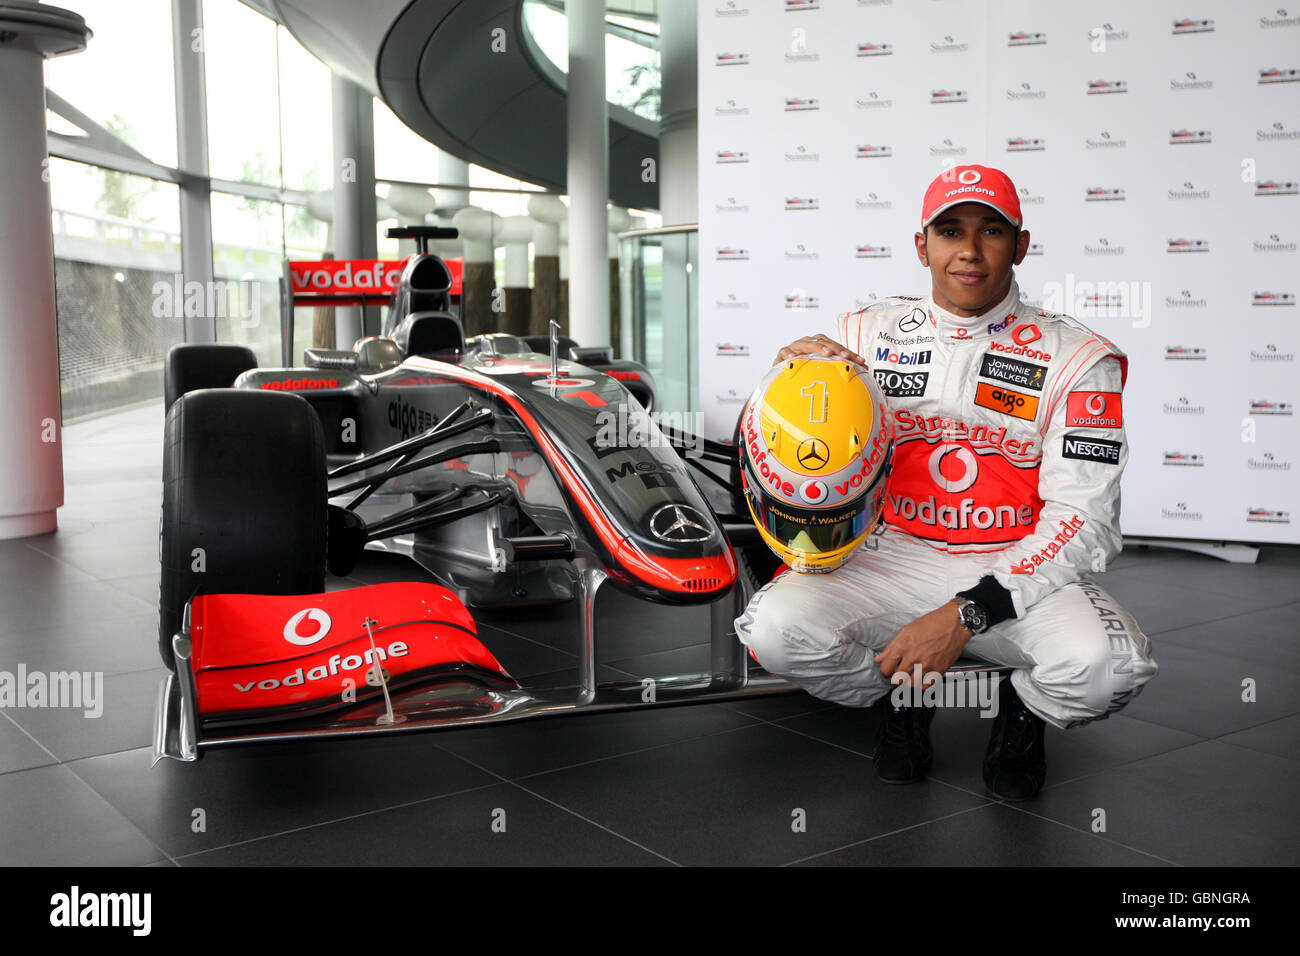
{"x": 191, "y": 367}
{"x": 244, "y": 500}
{"x": 756, "y": 562}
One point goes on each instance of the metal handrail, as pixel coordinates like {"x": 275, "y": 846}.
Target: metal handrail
{"x": 660, "y": 230}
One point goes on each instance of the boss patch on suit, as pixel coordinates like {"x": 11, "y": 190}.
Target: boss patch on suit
{"x": 1024, "y": 374}
{"x": 901, "y": 384}
{"x": 1006, "y": 401}
{"x": 1083, "y": 448}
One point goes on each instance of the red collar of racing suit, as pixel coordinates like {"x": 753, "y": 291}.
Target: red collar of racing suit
{"x": 959, "y": 327}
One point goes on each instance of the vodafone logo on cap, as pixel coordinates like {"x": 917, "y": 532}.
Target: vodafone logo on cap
{"x": 964, "y": 457}
{"x": 969, "y": 177}
{"x": 813, "y": 491}
{"x": 293, "y": 628}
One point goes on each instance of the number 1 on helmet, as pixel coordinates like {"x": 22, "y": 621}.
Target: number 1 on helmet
{"x": 816, "y": 408}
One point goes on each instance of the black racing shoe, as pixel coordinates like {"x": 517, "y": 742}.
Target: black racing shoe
{"x": 903, "y": 752}
{"x": 1015, "y": 765}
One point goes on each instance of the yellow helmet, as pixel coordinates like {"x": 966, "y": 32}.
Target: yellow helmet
{"x": 815, "y": 448}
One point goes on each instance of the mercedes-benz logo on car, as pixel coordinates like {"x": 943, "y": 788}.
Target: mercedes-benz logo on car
{"x": 812, "y": 454}
{"x": 679, "y": 523}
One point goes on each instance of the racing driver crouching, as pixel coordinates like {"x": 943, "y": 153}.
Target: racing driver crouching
{"x": 1008, "y": 447}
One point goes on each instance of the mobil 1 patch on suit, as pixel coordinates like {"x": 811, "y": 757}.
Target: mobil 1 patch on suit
{"x": 901, "y": 384}
{"x": 1014, "y": 371}
{"x": 1083, "y": 448}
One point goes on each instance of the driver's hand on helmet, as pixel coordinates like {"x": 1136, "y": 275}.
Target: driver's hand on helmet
{"x": 818, "y": 345}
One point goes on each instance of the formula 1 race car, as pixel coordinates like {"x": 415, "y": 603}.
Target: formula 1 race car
{"x": 513, "y": 478}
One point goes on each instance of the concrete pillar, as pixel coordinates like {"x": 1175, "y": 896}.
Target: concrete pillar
{"x": 478, "y": 230}
{"x": 354, "y": 191}
{"x": 31, "y": 427}
{"x": 383, "y": 212}
{"x": 548, "y": 212}
{"x": 412, "y": 204}
{"x": 516, "y": 233}
{"x": 192, "y": 157}
{"x": 453, "y": 172}
{"x": 588, "y": 172}
{"x": 678, "y": 118}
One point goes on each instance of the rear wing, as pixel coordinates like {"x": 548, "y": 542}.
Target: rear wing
{"x": 342, "y": 282}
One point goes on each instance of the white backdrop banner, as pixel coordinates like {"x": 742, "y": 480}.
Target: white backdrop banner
{"x": 1156, "y": 148}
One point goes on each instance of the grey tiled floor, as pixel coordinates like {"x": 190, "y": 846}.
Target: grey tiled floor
{"x": 1188, "y": 775}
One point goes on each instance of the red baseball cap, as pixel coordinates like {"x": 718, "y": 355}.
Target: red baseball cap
{"x": 981, "y": 184}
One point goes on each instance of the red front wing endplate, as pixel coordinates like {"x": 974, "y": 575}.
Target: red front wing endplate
{"x": 262, "y": 657}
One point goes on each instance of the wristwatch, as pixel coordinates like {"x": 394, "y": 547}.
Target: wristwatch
{"x": 973, "y": 617}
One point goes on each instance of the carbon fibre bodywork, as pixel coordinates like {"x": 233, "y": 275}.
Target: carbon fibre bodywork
{"x": 573, "y": 454}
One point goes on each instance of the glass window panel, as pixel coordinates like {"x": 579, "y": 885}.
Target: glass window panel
{"x": 123, "y": 80}
{"x": 249, "y": 240}
{"x": 117, "y": 265}
{"x": 631, "y": 69}
{"x": 307, "y": 238}
{"x": 243, "y": 108}
{"x": 247, "y": 259}
{"x": 305, "y": 116}
{"x": 485, "y": 178}
{"x": 399, "y": 153}
{"x": 503, "y": 204}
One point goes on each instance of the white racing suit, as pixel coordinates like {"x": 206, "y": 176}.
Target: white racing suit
{"x": 1009, "y": 445}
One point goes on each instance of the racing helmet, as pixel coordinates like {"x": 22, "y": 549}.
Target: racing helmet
{"x": 815, "y": 449}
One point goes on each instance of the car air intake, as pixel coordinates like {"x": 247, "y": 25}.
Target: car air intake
{"x": 702, "y": 584}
